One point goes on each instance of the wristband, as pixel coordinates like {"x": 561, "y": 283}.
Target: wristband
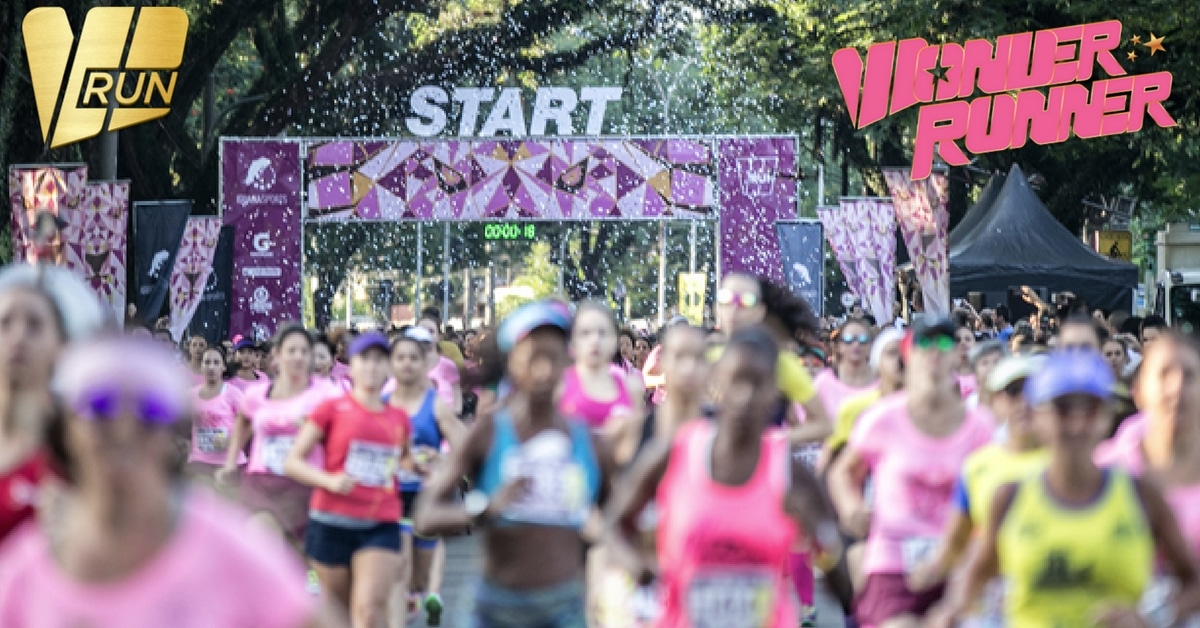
{"x": 1164, "y": 616}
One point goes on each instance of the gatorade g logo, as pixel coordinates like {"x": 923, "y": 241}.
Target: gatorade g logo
{"x": 121, "y": 71}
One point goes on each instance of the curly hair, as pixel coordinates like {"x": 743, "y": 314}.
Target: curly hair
{"x": 786, "y": 309}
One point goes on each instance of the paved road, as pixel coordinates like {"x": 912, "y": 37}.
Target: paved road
{"x": 462, "y": 568}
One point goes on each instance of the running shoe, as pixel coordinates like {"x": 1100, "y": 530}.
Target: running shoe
{"x": 809, "y": 619}
{"x": 433, "y": 610}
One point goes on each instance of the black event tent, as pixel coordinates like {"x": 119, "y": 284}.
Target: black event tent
{"x": 1017, "y": 242}
{"x": 980, "y": 209}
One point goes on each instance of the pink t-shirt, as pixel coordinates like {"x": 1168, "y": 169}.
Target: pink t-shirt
{"x": 445, "y": 377}
{"x": 833, "y": 392}
{"x": 213, "y": 571}
{"x": 275, "y": 423}
{"x": 967, "y": 385}
{"x": 1130, "y": 432}
{"x": 212, "y": 428}
{"x": 913, "y": 478}
{"x": 339, "y": 371}
{"x": 246, "y": 384}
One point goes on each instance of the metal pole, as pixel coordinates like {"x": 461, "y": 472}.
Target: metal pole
{"x": 662, "y": 272}
{"x": 108, "y": 155}
{"x": 445, "y": 272}
{"x": 562, "y": 264}
{"x": 349, "y": 299}
{"x": 420, "y": 272}
{"x": 692, "y": 249}
{"x": 820, "y": 184}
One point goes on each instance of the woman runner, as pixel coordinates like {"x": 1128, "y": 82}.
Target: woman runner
{"x": 730, "y": 499}
{"x": 273, "y": 415}
{"x": 1076, "y": 543}
{"x": 216, "y": 409}
{"x": 433, "y": 423}
{"x": 983, "y": 473}
{"x": 322, "y": 361}
{"x": 353, "y": 535}
{"x": 196, "y": 346}
{"x": 537, "y": 477}
{"x": 443, "y": 370}
{"x": 913, "y": 444}
{"x": 41, "y": 309}
{"x": 245, "y": 360}
{"x": 595, "y": 390}
{"x": 885, "y": 361}
{"x": 964, "y": 340}
{"x": 1168, "y": 388}
{"x": 132, "y": 546}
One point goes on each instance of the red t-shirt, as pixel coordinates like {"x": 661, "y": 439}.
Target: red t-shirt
{"x": 18, "y": 491}
{"x": 366, "y": 445}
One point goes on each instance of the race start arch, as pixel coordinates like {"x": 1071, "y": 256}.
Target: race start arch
{"x": 274, "y": 190}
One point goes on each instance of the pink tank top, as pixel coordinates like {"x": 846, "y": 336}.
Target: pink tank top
{"x": 723, "y": 550}
{"x": 212, "y": 427}
{"x": 213, "y": 571}
{"x": 575, "y": 402}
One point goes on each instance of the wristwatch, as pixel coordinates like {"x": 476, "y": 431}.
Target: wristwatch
{"x": 476, "y": 504}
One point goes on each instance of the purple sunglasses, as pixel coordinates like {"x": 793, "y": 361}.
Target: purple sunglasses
{"x": 106, "y": 403}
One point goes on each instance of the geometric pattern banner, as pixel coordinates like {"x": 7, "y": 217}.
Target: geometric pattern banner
{"x": 539, "y": 179}
{"x": 32, "y": 189}
{"x": 837, "y": 233}
{"x": 94, "y": 241}
{"x": 193, "y": 264}
{"x": 871, "y": 224}
{"x": 923, "y": 219}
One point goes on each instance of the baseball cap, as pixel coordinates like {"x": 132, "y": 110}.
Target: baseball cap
{"x": 530, "y": 317}
{"x": 1013, "y": 368}
{"x": 929, "y": 327}
{"x": 365, "y": 342}
{"x": 420, "y": 334}
{"x": 243, "y": 343}
{"x": 1070, "y": 373}
{"x": 678, "y": 319}
{"x": 885, "y": 338}
{"x": 985, "y": 348}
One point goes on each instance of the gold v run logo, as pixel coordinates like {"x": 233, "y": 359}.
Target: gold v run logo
{"x": 120, "y": 72}
{"x": 1042, "y": 86}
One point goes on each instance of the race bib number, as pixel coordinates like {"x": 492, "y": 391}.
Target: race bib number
{"x": 372, "y": 464}
{"x": 731, "y": 600}
{"x": 212, "y": 440}
{"x": 274, "y": 451}
{"x": 916, "y": 551}
{"x": 808, "y": 455}
{"x": 556, "y": 494}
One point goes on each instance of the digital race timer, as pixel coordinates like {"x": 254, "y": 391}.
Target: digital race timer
{"x": 509, "y": 231}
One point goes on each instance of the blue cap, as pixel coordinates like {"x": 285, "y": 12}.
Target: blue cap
{"x": 369, "y": 340}
{"x": 532, "y": 316}
{"x": 244, "y": 343}
{"x": 1070, "y": 373}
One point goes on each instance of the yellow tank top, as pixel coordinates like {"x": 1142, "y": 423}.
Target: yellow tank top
{"x": 1063, "y": 564}
{"x": 991, "y": 467}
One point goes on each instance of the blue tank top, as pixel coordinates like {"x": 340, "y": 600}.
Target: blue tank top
{"x": 564, "y": 475}
{"x": 424, "y": 423}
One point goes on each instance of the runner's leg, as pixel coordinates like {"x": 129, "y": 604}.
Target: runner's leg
{"x": 376, "y": 572}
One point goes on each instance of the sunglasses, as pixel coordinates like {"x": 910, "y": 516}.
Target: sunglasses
{"x": 945, "y": 344}
{"x": 104, "y": 404}
{"x": 739, "y": 299}
{"x": 861, "y": 339}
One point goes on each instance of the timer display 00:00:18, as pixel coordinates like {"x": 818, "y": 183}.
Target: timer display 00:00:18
{"x": 508, "y": 231}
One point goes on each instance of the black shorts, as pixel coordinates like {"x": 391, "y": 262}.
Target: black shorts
{"x": 335, "y": 545}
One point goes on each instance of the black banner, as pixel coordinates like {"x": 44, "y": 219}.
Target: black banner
{"x": 157, "y": 231}
{"x": 211, "y": 319}
{"x": 802, "y": 244}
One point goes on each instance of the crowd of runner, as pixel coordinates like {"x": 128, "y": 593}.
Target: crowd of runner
{"x": 957, "y": 471}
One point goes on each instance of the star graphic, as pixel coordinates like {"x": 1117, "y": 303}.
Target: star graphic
{"x": 1133, "y": 56}
{"x": 1137, "y": 39}
{"x": 938, "y": 71}
{"x": 1155, "y": 44}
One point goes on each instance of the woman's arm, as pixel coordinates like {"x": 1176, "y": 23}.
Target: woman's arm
{"x": 237, "y": 443}
{"x": 453, "y": 430}
{"x": 436, "y": 510}
{"x": 808, "y": 505}
{"x": 296, "y": 465}
{"x": 984, "y": 567}
{"x": 845, "y": 480}
{"x": 631, "y": 497}
{"x": 1174, "y": 549}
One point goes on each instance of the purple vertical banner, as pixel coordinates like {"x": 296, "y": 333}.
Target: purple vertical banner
{"x": 260, "y": 199}
{"x": 757, "y": 187}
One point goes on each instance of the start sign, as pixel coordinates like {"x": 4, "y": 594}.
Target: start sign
{"x": 430, "y": 106}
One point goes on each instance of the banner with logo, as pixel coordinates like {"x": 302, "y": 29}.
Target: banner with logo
{"x": 692, "y": 288}
{"x": 550, "y": 179}
{"x": 157, "y": 230}
{"x": 94, "y": 241}
{"x": 757, "y": 188}
{"x": 837, "y": 233}
{"x": 211, "y": 318}
{"x": 260, "y": 199}
{"x": 193, "y": 265}
{"x": 921, "y": 214}
{"x": 803, "y": 249}
{"x": 32, "y": 190}
{"x": 872, "y": 231}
